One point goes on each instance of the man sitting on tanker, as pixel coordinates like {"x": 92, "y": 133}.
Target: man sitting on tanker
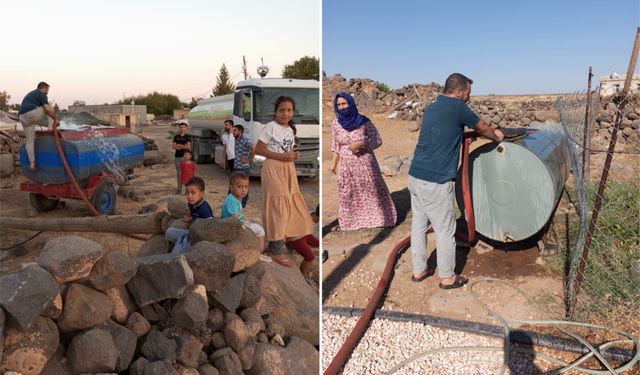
{"x": 33, "y": 109}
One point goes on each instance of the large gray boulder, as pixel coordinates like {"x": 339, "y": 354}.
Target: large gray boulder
{"x": 158, "y": 347}
{"x": 390, "y": 166}
{"x": 112, "y": 270}
{"x": 69, "y": 258}
{"x": 3, "y": 319}
{"x": 251, "y": 293}
{"x": 125, "y": 341}
{"x": 212, "y": 264}
{"x": 123, "y": 304}
{"x": 160, "y": 277}
{"x": 214, "y": 230}
{"x": 227, "y": 362}
{"x": 138, "y": 324}
{"x": 6, "y": 165}
{"x": 93, "y": 351}
{"x": 298, "y": 357}
{"x": 189, "y": 349}
{"x": 27, "y": 351}
{"x": 160, "y": 367}
{"x": 191, "y": 311}
{"x": 152, "y": 158}
{"x": 83, "y": 308}
{"x": 177, "y": 206}
{"x": 155, "y": 245}
{"x": 26, "y": 294}
{"x": 289, "y": 299}
{"x": 236, "y": 334}
{"x": 245, "y": 249}
{"x": 229, "y": 298}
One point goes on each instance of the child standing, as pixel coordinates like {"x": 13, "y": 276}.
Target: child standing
{"x": 187, "y": 169}
{"x": 285, "y": 213}
{"x": 232, "y": 205}
{"x": 198, "y": 209}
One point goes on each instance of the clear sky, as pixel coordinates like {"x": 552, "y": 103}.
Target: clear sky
{"x": 98, "y": 50}
{"x": 506, "y": 47}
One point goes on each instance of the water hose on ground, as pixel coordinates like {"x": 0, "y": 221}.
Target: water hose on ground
{"x": 56, "y": 136}
{"x": 566, "y": 366}
{"x": 517, "y": 336}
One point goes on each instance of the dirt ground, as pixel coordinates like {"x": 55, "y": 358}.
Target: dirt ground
{"x": 357, "y": 258}
{"x": 156, "y": 185}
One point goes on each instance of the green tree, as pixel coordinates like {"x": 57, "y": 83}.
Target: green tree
{"x": 382, "y": 86}
{"x": 4, "y": 100}
{"x": 223, "y": 83}
{"x": 156, "y": 102}
{"x": 304, "y": 68}
{"x": 56, "y": 108}
{"x": 192, "y": 103}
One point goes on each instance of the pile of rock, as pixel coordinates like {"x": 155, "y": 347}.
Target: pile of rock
{"x": 606, "y": 116}
{"x": 214, "y": 309}
{"x": 369, "y": 97}
{"x": 9, "y": 153}
{"x": 523, "y": 114}
{"x": 149, "y": 143}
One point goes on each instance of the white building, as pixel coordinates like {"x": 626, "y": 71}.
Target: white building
{"x": 612, "y": 83}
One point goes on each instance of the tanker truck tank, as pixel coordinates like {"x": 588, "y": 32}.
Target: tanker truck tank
{"x": 210, "y": 114}
{"x": 515, "y": 186}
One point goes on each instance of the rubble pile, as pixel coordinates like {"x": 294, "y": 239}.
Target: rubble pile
{"x": 214, "y": 309}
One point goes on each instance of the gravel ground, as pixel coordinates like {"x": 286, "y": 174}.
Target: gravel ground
{"x": 387, "y": 343}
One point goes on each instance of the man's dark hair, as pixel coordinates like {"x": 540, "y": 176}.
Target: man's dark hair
{"x": 456, "y": 81}
{"x": 228, "y": 122}
{"x": 42, "y": 85}
{"x": 197, "y": 181}
{"x": 239, "y": 127}
{"x": 238, "y": 175}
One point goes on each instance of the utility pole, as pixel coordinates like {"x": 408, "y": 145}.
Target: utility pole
{"x": 244, "y": 67}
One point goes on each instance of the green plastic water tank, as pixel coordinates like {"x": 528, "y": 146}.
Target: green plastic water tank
{"x": 515, "y": 186}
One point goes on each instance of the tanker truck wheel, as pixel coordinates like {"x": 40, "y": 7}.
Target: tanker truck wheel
{"x": 104, "y": 198}
{"x": 42, "y": 203}
{"x": 197, "y": 157}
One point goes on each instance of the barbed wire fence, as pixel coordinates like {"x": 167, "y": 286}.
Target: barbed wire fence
{"x": 603, "y": 261}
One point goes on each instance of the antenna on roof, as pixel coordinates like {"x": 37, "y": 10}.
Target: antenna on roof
{"x": 263, "y": 70}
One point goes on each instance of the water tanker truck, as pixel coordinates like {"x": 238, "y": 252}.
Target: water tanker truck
{"x": 252, "y": 106}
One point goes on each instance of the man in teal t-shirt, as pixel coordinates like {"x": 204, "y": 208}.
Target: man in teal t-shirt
{"x": 431, "y": 175}
{"x": 33, "y": 109}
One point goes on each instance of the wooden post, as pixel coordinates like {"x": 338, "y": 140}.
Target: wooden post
{"x": 586, "y": 142}
{"x": 125, "y": 224}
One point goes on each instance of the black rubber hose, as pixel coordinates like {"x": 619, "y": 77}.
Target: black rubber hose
{"x": 517, "y": 336}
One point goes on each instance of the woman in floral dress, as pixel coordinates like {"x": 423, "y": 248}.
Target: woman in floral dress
{"x": 364, "y": 200}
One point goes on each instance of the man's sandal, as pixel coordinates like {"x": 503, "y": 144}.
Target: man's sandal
{"x": 427, "y": 273}
{"x": 457, "y": 283}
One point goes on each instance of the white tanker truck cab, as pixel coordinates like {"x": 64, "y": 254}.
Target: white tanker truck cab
{"x": 252, "y": 106}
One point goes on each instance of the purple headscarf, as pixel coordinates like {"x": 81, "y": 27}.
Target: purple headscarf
{"x": 349, "y": 118}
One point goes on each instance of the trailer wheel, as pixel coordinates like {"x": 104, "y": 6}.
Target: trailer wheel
{"x": 42, "y": 203}
{"x": 197, "y": 157}
{"x": 104, "y": 198}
